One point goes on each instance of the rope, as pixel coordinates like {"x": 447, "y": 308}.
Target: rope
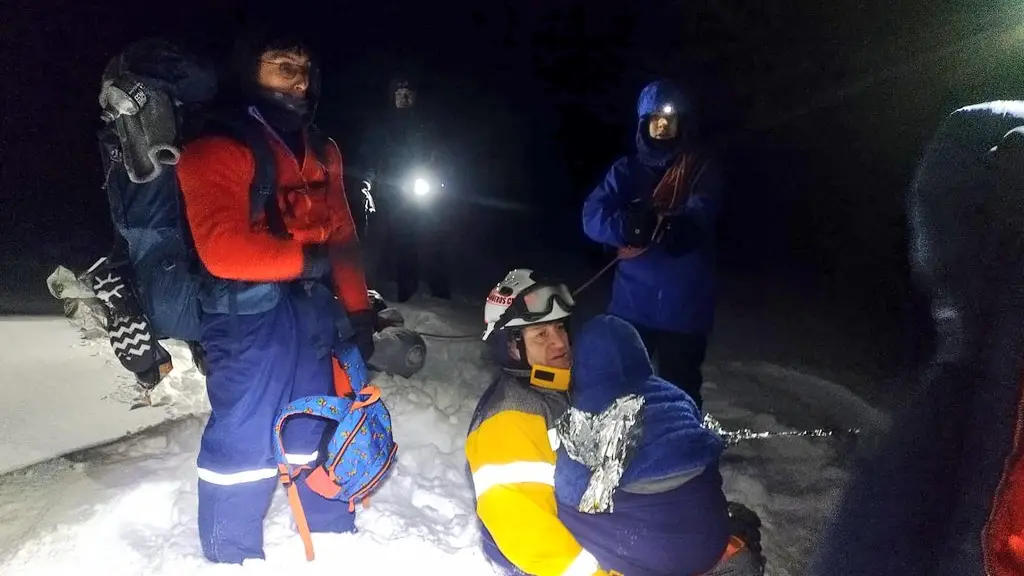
{"x": 449, "y": 336}
{"x": 595, "y": 277}
{"x": 658, "y": 231}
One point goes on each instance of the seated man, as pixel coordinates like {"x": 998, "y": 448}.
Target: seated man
{"x": 649, "y": 499}
{"x": 511, "y": 459}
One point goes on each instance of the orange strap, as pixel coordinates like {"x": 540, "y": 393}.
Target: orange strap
{"x": 342, "y": 383}
{"x": 296, "y": 506}
{"x": 374, "y": 393}
{"x": 352, "y": 505}
{"x": 732, "y": 548}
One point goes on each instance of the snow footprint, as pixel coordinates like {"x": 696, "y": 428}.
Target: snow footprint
{"x": 434, "y": 505}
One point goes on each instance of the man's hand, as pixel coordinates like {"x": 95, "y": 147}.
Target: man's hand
{"x": 678, "y": 237}
{"x": 640, "y": 223}
{"x": 363, "y": 323}
{"x": 316, "y": 262}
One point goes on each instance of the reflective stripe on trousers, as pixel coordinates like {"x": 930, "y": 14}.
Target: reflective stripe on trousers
{"x": 234, "y": 478}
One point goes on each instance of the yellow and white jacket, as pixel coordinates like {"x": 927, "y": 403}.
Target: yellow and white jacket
{"x": 511, "y": 453}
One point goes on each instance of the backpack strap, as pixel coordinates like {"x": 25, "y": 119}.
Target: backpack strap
{"x": 332, "y": 408}
{"x": 352, "y": 363}
{"x": 320, "y": 480}
{"x": 320, "y": 144}
{"x": 264, "y": 180}
{"x": 312, "y": 406}
{"x": 247, "y": 129}
{"x": 300, "y": 517}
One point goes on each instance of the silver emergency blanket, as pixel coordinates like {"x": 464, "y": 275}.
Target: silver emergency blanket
{"x": 604, "y": 443}
{"x": 734, "y": 437}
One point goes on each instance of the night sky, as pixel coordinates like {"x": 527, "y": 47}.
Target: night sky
{"x": 819, "y": 109}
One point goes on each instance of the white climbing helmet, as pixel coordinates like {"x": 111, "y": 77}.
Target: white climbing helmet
{"x": 521, "y": 299}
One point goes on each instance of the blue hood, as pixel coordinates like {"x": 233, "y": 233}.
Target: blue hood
{"x": 610, "y": 361}
{"x": 652, "y": 98}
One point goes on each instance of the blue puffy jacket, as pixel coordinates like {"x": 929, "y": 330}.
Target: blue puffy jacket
{"x": 657, "y": 290}
{"x": 670, "y": 514}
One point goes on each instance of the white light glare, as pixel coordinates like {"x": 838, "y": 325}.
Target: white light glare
{"x": 421, "y": 187}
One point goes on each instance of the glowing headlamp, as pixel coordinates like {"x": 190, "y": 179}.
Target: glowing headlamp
{"x": 421, "y": 187}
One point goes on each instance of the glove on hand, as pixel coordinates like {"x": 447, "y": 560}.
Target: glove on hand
{"x": 639, "y": 224}
{"x": 316, "y": 263}
{"x": 363, "y": 323}
{"x": 679, "y": 236}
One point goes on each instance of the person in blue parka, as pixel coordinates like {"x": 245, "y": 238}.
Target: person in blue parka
{"x": 658, "y": 208}
{"x": 668, "y": 513}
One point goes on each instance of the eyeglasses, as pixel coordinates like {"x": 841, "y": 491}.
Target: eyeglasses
{"x": 290, "y": 70}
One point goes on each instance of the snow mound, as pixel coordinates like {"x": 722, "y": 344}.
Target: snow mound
{"x": 129, "y": 507}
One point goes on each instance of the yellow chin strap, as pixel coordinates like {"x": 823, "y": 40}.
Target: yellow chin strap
{"x": 550, "y": 378}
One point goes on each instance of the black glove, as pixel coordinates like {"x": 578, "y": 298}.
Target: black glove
{"x": 363, "y": 323}
{"x": 679, "y": 236}
{"x": 639, "y": 223}
{"x": 198, "y": 356}
{"x": 161, "y": 365}
{"x": 316, "y": 262}
{"x": 745, "y": 524}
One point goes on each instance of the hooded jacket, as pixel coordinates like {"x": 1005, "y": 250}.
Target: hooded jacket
{"x": 669, "y": 515}
{"x": 215, "y": 173}
{"x": 656, "y": 289}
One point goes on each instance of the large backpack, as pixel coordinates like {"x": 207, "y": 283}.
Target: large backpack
{"x": 152, "y": 280}
{"x": 360, "y": 453}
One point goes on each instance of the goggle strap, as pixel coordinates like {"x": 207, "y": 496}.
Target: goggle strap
{"x": 519, "y": 309}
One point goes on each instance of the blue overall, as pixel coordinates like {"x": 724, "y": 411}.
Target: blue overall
{"x": 257, "y": 363}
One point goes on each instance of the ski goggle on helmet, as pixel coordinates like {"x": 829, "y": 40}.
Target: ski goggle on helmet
{"x": 522, "y": 300}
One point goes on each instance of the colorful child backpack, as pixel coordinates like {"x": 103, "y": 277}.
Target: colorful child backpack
{"x": 359, "y": 454}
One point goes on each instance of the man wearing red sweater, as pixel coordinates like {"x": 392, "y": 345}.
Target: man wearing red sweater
{"x": 284, "y": 293}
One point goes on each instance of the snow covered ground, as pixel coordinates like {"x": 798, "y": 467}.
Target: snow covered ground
{"x": 60, "y": 393}
{"x": 92, "y": 486}
{"x": 129, "y": 506}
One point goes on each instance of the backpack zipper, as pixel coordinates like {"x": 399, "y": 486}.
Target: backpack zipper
{"x": 347, "y": 443}
{"x": 373, "y": 481}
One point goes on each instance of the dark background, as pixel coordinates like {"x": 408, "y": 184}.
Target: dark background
{"x": 820, "y": 109}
